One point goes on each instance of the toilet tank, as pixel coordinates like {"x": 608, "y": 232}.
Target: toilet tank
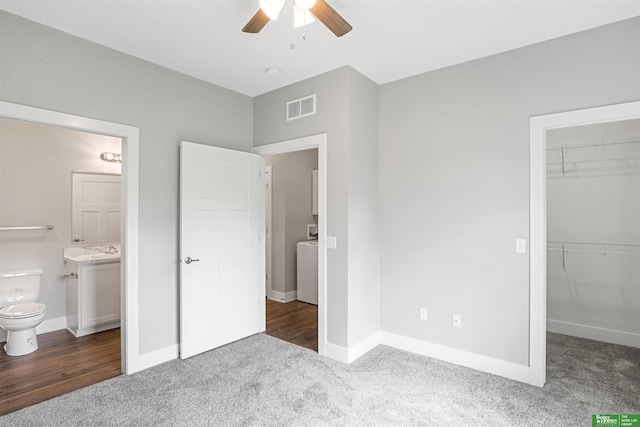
{"x": 19, "y": 286}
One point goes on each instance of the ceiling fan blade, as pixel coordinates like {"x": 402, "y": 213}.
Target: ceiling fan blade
{"x": 330, "y": 18}
{"x": 256, "y": 23}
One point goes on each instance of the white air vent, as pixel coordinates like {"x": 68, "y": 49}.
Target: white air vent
{"x": 301, "y": 107}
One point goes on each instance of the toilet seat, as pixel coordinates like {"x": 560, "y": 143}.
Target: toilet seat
{"x": 22, "y": 311}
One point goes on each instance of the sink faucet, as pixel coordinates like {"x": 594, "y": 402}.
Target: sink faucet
{"x": 112, "y": 249}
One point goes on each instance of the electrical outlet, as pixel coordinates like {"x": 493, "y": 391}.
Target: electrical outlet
{"x": 423, "y": 313}
{"x": 457, "y": 321}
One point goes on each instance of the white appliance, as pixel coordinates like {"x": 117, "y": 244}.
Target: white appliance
{"x": 308, "y": 272}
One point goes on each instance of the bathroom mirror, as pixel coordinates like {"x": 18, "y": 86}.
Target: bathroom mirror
{"x": 95, "y": 211}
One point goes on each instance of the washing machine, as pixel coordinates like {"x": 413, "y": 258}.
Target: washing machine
{"x": 308, "y": 272}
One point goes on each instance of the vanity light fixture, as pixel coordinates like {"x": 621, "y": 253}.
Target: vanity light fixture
{"x": 111, "y": 157}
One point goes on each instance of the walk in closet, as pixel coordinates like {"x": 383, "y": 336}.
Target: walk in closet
{"x": 593, "y": 232}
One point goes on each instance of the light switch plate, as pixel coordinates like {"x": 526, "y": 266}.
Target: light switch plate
{"x": 521, "y": 246}
{"x": 332, "y": 242}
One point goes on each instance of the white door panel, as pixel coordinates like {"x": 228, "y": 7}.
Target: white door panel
{"x": 222, "y": 231}
{"x": 95, "y": 207}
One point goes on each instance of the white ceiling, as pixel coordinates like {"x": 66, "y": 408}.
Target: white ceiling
{"x": 390, "y": 40}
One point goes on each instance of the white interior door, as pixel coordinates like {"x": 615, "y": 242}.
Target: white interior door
{"x": 222, "y": 247}
{"x": 95, "y": 207}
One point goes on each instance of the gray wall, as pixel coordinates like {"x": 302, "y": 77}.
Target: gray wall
{"x": 35, "y": 189}
{"x": 270, "y": 126}
{"x": 49, "y": 69}
{"x": 454, "y": 182}
{"x": 345, "y": 100}
{"x": 364, "y": 209}
{"x": 291, "y": 212}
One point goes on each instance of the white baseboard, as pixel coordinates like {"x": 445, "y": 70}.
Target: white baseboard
{"x": 593, "y": 333}
{"x": 283, "y": 297}
{"x": 336, "y": 352}
{"x": 459, "y": 357}
{"x": 48, "y": 325}
{"x": 93, "y": 329}
{"x": 349, "y": 355}
{"x": 153, "y": 358}
{"x": 363, "y": 347}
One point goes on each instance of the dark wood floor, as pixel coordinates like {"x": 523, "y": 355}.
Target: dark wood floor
{"x": 295, "y": 322}
{"x": 61, "y": 364}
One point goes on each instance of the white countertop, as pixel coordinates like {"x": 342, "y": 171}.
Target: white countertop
{"x": 91, "y": 255}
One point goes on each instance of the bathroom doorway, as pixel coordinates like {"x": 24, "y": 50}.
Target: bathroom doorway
{"x": 38, "y": 163}
{"x": 128, "y": 136}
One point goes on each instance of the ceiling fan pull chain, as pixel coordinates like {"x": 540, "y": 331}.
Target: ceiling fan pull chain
{"x": 304, "y": 25}
{"x": 293, "y": 23}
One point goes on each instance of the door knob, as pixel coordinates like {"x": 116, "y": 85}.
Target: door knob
{"x": 189, "y": 260}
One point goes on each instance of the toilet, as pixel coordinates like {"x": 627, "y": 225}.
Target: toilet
{"x": 19, "y": 311}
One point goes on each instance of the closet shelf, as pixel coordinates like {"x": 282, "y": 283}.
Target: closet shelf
{"x": 605, "y": 248}
{"x": 622, "y": 154}
{"x": 592, "y": 144}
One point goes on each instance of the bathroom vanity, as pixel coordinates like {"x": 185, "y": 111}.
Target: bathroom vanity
{"x": 93, "y": 291}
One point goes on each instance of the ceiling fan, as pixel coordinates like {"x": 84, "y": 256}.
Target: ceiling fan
{"x": 303, "y": 9}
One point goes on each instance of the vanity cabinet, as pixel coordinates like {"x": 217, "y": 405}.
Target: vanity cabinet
{"x": 93, "y": 297}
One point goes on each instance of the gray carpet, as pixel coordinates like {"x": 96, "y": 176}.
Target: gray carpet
{"x": 262, "y": 381}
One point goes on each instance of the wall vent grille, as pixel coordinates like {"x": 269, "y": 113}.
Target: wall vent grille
{"x": 301, "y": 107}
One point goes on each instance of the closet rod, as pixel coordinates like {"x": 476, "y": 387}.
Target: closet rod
{"x": 35, "y": 227}
{"x": 593, "y": 144}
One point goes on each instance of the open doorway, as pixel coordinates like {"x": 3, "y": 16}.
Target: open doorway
{"x": 292, "y": 247}
{"x": 128, "y": 138}
{"x": 540, "y": 127}
{"x": 593, "y": 232}
{"x": 56, "y": 176}
{"x": 319, "y": 143}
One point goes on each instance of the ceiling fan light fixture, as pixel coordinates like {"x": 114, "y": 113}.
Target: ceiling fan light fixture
{"x": 301, "y": 17}
{"x": 272, "y": 8}
{"x": 305, "y": 4}
{"x": 320, "y": 9}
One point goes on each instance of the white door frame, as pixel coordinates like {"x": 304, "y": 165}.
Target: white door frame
{"x": 268, "y": 225}
{"x": 538, "y": 127}
{"x": 130, "y": 357}
{"x": 307, "y": 143}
